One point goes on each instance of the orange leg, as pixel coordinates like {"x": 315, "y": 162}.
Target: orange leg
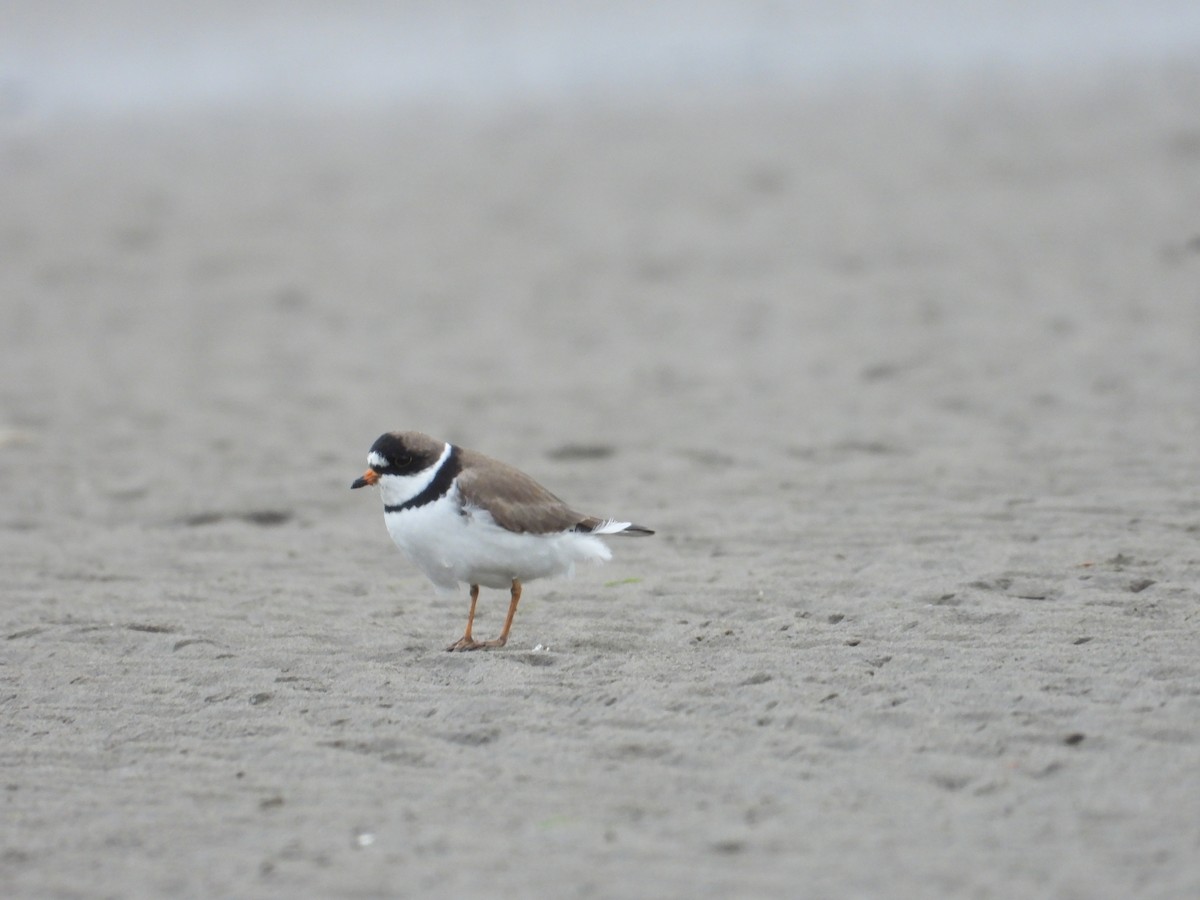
{"x": 508, "y": 620}
{"x": 466, "y": 642}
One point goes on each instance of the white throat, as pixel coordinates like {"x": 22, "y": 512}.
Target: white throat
{"x": 399, "y": 489}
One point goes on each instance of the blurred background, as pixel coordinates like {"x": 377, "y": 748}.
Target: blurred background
{"x": 129, "y": 56}
{"x": 328, "y": 219}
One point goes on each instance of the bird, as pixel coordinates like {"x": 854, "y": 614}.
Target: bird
{"x": 465, "y": 518}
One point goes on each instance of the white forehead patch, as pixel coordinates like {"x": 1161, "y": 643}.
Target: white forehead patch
{"x": 375, "y": 461}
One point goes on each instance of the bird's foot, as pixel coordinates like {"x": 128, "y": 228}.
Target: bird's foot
{"x": 469, "y": 643}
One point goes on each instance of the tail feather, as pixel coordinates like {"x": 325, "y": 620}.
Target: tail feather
{"x": 612, "y": 526}
{"x": 637, "y": 530}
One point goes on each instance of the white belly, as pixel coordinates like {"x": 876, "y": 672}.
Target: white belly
{"x": 451, "y": 548}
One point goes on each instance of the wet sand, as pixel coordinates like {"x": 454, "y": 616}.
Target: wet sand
{"x": 904, "y": 378}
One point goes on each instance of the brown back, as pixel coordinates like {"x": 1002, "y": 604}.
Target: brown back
{"x": 515, "y": 500}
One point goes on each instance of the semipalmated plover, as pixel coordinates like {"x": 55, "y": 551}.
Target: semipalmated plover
{"x": 464, "y": 518}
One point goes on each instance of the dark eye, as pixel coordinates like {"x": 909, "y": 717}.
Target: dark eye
{"x": 399, "y": 462}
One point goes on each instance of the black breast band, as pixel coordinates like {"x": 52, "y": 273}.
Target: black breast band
{"x": 436, "y": 488}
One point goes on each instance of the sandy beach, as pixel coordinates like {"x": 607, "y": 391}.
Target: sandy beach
{"x": 905, "y": 378}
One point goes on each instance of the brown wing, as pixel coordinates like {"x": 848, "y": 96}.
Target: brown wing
{"x": 515, "y": 500}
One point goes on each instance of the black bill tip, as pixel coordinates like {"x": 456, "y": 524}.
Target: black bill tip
{"x": 368, "y": 477}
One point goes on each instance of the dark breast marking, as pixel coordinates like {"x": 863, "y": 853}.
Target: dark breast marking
{"x": 437, "y": 488}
